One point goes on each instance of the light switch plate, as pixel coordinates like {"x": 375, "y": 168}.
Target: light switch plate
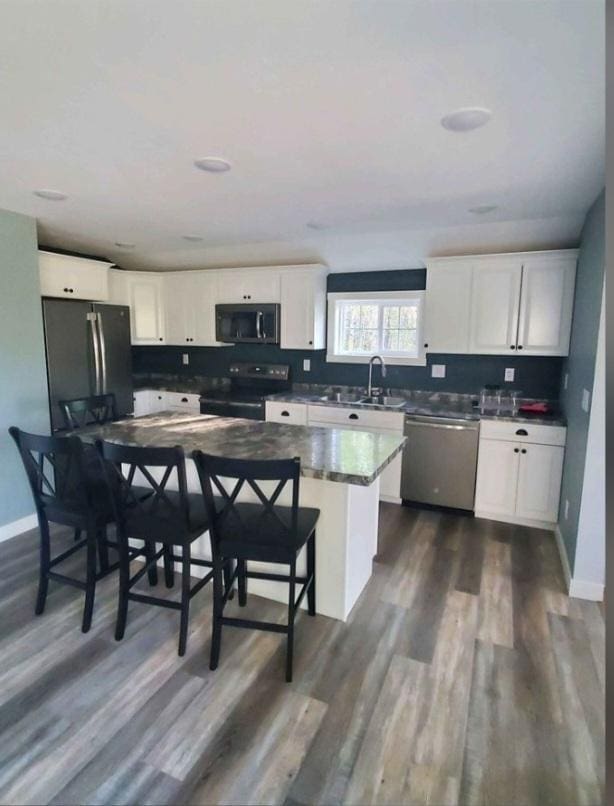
{"x": 509, "y": 373}
{"x": 586, "y": 400}
{"x": 438, "y": 370}
{"x": 185, "y": 358}
{"x": 306, "y": 364}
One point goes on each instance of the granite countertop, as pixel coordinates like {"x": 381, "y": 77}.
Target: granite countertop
{"x": 448, "y": 405}
{"x": 332, "y": 454}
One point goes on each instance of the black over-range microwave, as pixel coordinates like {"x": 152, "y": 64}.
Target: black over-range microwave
{"x": 251, "y": 323}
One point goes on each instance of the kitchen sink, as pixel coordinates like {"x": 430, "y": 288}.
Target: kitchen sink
{"x": 340, "y": 397}
{"x": 383, "y": 400}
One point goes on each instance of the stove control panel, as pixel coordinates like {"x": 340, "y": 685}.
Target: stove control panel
{"x": 273, "y": 372}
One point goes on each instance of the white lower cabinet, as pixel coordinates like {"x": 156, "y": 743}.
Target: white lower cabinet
{"x": 142, "y": 402}
{"x": 287, "y": 413}
{"x": 519, "y": 481}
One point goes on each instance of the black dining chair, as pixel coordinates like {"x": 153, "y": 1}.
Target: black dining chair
{"x": 94, "y": 410}
{"x": 262, "y": 531}
{"x": 65, "y": 493}
{"x": 172, "y": 518}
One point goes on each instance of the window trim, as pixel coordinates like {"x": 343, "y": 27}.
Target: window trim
{"x": 378, "y": 297}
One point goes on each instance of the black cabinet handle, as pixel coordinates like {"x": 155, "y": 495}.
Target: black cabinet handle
{"x": 160, "y": 339}
{"x": 159, "y": 397}
{"x": 184, "y": 400}
{"x": 426, "y": 344}
{"x": 516, "y": 450}
{"x": 66, "y": 290}
{"x": 353, "y": 417}
{"x": 520, "y": 346}
{"x": 522, "y": 432}
{"x": 524, "y": 450}
{"x": 512, "y": 346}
{"x": 310, "y": 342}
{"x": 285, "y": 414}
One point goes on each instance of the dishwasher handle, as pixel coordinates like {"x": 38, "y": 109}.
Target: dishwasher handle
{"x": 450, "y": 426}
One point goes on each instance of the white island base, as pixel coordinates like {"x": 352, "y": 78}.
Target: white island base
{"x": 346, "y": 541}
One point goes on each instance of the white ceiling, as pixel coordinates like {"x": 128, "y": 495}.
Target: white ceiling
{"x": 329, "y": 112}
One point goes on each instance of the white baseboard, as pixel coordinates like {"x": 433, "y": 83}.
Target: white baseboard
{"x": 577, "y": 588}
{"x": 17, "y": 527}
{"x": 493, "y": 516}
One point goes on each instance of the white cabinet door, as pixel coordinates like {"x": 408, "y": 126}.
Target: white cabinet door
{"x": 248, "y": 285}
{"x": 303, "y": 310}
{"x": 146, "y": 308}
{"x": 448, "y": 305}
{"x": 287, "y": 413}
{"x": 495, "y": 302}
{"x": 73, "y": 277}
{"x": 158, "y": 401}
{"x": 539, "y": 482}
{"x": 142, "y": 402}
{"x": 203, "y": 297}
{"x": 497, "y": 477}
{"x": 177, "y": 308}
{"x": 546, "y": 305}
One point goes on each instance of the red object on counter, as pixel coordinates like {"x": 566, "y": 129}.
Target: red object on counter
{"x": 536, "y": 408}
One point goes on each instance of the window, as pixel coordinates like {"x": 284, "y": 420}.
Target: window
{"x": 386, "y": 323}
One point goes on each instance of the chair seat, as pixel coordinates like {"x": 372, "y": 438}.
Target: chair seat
{"x": 152, "y": 522}
{"x": 251, "y": 533}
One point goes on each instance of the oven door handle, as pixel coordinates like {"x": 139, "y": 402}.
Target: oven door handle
{"x": 259, "y": 324}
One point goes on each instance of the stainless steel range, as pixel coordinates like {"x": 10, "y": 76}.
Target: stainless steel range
{"x": 250, "y": 385}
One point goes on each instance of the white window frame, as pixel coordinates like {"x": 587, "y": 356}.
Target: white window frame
{"x": 334, "y": 310}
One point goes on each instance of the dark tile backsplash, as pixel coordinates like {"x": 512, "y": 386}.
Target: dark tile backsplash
{"x": 536, "y": 377}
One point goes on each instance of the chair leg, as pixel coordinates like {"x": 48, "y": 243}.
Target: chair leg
{"x": 43, "y": 579}
{"x": 169, "y": 567}
{"x": 227, "y": 572}
{"x": 291, "y": 609}
{"x": 103, "y": 550}
{"x": 90, "y": 580}
{"x": 77, "y": 534}
{"x": 311, "y": 572}
{"x": 185, "y": 600}
{"x": 242, "y": 583}
{"x": 218, "y": 606}
{"x": 124, "y": 583}
{"x": 152, "y": 571}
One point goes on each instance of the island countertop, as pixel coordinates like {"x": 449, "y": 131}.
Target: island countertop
{"x": 332, "y": 454}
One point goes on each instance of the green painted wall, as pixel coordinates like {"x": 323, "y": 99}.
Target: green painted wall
{"x": 23, "y": 380}
{"x": 580, "y": 367}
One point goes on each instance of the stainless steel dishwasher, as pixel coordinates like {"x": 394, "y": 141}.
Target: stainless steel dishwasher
{"x": 439, "y": 461}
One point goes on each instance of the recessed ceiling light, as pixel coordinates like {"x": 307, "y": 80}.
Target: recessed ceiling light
{"x": 193, "y": 238}
{"x": 215, "y": 165}
{"x": 51, "y": 195}
{"x": 466, "y": 119}
{"x": 121, "y": 245}
{"x": 483, "y": 208}
{"x": 316, "y": 225}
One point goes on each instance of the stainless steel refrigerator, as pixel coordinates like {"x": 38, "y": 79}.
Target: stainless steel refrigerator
{"x": 88, "y": 353}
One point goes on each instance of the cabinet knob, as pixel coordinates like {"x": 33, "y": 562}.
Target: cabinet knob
{"x": 285, "y": 414}
{"x": 160, "y": 339}
{"x": 512, "y": 346}
{"x": 522, "y": 432}
{"x": 184, "y": 400}
{"x": 520, "y": 346}
{"x": 516, "y": 450}
{"x": 524, "y": 450}
{"x": 426, "y": 344}
{"x": 66, "y": 290}
{"x": 353, "y": 417}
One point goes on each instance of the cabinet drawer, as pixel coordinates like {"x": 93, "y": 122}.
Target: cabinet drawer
{"x": 523, "y": 432}
{"x": 293, "y": 413}
{"x": 388, "y": 420}
{"x": 182, "y": 401}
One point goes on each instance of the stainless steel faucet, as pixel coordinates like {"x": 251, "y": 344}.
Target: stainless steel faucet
{"x": 383, "y": 367}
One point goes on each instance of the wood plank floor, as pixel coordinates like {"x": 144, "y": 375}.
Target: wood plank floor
{"x": 464, "y": 676}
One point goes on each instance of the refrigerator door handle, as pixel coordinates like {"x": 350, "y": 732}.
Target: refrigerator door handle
{"x": 103, "y": 355}
{"x": 92, "y": 319}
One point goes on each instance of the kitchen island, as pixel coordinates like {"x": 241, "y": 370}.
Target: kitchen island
{"x": 340, "y": 472}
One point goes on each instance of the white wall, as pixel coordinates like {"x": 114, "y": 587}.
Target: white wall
{"x": 589, "y": 569}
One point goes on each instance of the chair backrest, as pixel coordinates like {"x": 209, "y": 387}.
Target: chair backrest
{"x": 82, "y": 411}
{"x": 140, "y": 481}
{"x": 56, "y": 471}
{"x": 229, "y": 476}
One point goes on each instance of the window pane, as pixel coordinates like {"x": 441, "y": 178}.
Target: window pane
{"x": 391, "y": 316}
{"x": 391, "y": 339}
{"x": 369, "y": 315}
{"x": 407, "y": 340}
{"x": 408, "y": 316}
{"x": 368, "y": 343}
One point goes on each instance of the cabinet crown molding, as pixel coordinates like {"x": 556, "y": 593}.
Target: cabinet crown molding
{"x": 555, "y": 254}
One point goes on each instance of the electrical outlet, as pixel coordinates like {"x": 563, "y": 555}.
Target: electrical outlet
{"x": 185, "y": 358}
{"x": 438, "y": 370}
{"x": 565, "y": 380}
{"x": 306, "y": 365}
{"x": 586, "y": 400}
{"x": 566, "y": 511}
{"x": 509, "y": 373}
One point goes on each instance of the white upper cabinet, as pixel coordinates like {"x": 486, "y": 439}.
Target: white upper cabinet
{"x": 518, "y": 303}
{"x": 495, "y": 302}
{"x": 546, "y": 305}
{"x": 73, "y": 277}
{"x": 303, "y": 309}
{"x": 248, "y": 285}
{"x": 189, "y": 303}
{"x": 144, "y": 293}
{"x": 448, "y": 301}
